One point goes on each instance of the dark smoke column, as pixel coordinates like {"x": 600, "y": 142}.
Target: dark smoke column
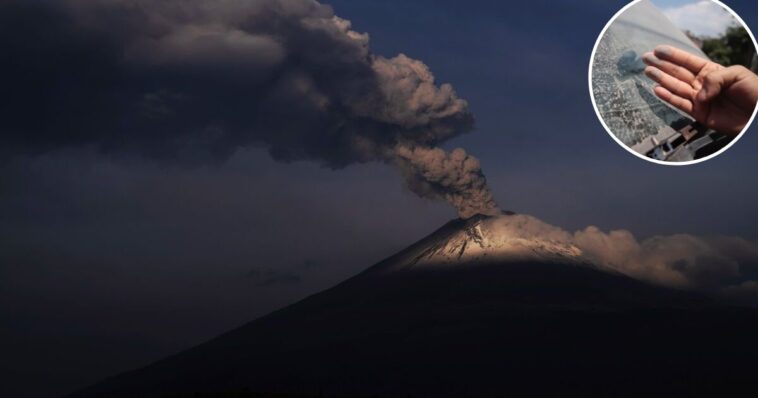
{"x": 195, "y": 80}
{"x": 455, "y": 177}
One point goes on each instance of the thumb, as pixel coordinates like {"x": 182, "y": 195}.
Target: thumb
{"x": 717, "y": 81}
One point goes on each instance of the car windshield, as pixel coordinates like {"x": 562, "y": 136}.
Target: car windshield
{"x": 622, "y": 93}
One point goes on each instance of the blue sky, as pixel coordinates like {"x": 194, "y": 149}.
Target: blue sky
{"x": 538, "y": 137}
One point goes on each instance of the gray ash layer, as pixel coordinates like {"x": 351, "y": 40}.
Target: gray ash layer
{"x": 624, "y": 96}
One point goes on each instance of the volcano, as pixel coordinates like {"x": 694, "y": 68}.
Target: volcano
{"x": 473, "y": 310}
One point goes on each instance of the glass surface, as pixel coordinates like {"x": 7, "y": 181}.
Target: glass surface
{"x": 623, "y": 94}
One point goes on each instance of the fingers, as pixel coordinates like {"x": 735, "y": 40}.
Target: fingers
{"x": 673, "y": 99}
{"x": 676, "y": 71}
{"x": 670, "y": 83}
{"x": 682, "y": 58}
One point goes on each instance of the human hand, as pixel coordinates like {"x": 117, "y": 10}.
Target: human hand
{"x": 722, "y": 98}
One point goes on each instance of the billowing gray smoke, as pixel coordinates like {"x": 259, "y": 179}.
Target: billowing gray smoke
{"x": 456, "y": 177}
{"x": 195, "y": 80}
{"x": 723, "y": 265}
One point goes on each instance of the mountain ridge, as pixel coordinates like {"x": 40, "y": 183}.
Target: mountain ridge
{"x": 480, "y": 328}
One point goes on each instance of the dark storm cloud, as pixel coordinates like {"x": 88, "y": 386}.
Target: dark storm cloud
{"x": 196, "y": 80}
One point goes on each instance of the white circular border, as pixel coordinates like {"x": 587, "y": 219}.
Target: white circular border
{"x": 629, "y": 149}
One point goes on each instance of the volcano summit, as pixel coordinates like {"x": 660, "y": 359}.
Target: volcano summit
{"x": 481, "y": 307}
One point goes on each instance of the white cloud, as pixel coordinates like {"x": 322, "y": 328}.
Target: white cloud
{"x": 704, "y": 18}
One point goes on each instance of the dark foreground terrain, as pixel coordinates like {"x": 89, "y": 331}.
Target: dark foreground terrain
{"x": 471, "y": 330}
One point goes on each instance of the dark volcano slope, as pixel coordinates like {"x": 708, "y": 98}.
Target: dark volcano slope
{"x": 484, "y": 330}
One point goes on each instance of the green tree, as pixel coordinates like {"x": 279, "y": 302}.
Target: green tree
{"x": 733, "y": 48}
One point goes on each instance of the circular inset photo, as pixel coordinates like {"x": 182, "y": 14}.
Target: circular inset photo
{"x": 673, "y": 81}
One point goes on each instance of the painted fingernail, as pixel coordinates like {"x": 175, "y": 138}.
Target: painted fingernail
{"x": 651, "y": 59}
{"x": 663, "y": 50}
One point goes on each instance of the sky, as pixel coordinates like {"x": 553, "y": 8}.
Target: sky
{"x": 109, "y": 260}
{"x": 704, "y": 18}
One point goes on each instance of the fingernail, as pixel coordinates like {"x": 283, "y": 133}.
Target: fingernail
{"x": 663, "y": 50}
{"x": 651, "y": 59}
{"x": 652, "y": 72}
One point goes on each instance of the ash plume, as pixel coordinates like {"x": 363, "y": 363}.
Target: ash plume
{"x": 193, "y": 81}
{"x": 455, "y": 176}
{"x": 723, "y": 265}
